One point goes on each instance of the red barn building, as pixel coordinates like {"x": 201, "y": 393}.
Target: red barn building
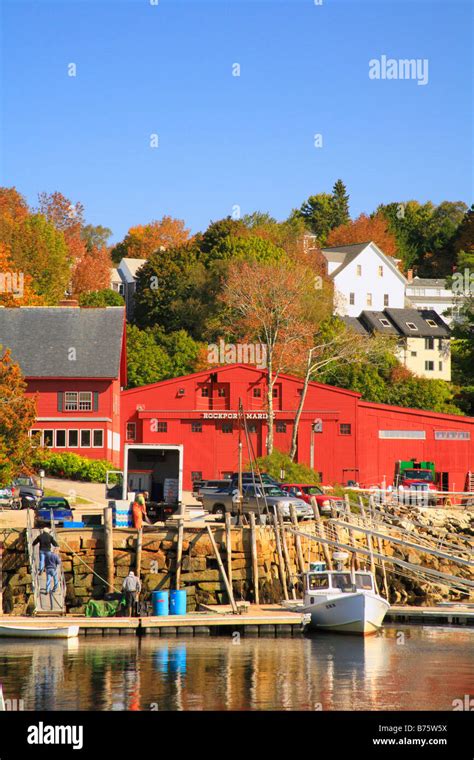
{"x": 340, "y": 436}
{"x": 74, "y": 362}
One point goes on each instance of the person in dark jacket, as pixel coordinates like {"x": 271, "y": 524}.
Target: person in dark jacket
{"x": 46, "y": 541}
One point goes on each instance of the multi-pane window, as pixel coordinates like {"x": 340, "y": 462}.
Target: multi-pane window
{"x": 358, "y": 270}
{"x": 257, "y": 392}
{"x": 227, "y": 427}
{"x": 345, "y": 429}
{"x": 429, "y": 343}
{"x": 37, "y": 436}
{"x": 98, "y": 439}
{"x": 131, "y": 433}
{"x": 386, "y": 300}
{"x": 429, "y": 366}
{"x": 352, "y": 299}
{"x": 280, "y": 427}
{"x": 369, "y": 299}
{"x": 196, "y": 475}
{"x": 205, "y": 392}
{"x": 60, "y": 439}
{"x": 48, "y": 438}
{"x": 161, "y": 427}
{"x": 380, "y": 271}
{"x": 196, "y": 426}
{"x": 74, "y": 401}
{"x": 252, "y": 427}
{"x": 221, "y": 392}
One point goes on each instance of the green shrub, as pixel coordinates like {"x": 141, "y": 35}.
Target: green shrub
{"x": 71, "y": 466}
{"x": 294, "y": 472}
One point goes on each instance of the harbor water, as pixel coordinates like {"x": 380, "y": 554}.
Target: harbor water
{"x": 402, "y": 668}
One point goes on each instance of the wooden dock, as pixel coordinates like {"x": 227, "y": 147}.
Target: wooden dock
{"x": 456, "y": 614}
{"x": 266, "y": 620}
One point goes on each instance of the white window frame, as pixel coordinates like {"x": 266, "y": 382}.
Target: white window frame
{"x": 411, "y": 326}
{"x": 359, "y": 270}
{"x": 89, "y": 402}
{"x": 73, "y": 430}
{"x": 352, "y": 299}
{"x": 369, "y": 299}
{"x": 98, "y": 430}
{"x": 384, "y": 322}
{"x": 71, "y": 406}
{"x": 429, "y": 369}
{"x": 32, "y": 432}
{"x": 85, "y": 430}
{"x": 56, "y": 444}
{"x": 431, "y": 323}
{"x": 51, "y": 430}
{"x": 380, "y": 270}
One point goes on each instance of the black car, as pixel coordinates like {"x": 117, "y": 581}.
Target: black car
{"x": 28, "y": 487}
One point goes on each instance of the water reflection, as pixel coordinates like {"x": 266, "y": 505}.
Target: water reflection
{"x": 404, "y": 668}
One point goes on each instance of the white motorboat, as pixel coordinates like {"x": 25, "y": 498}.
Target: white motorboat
{"x": 343, "y": 601}
{"x": 30, "y": 632}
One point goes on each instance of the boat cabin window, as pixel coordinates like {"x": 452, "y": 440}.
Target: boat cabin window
{"x": 342, "y": 581}
{"x": 318, "y": 581}
{"x": 364, "y": 581}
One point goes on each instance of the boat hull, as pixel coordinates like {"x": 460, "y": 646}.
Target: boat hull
{"x": 348, "y": 613}
{"x": 63, "y": 632}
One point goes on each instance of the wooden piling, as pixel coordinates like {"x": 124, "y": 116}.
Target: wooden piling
{"x": 281, "y": 564}
{"x": 321, "y": 531}
{"x": 138, "y": 553}
{"x": 297, "y": 539}
{"x": 109, "y": 549}
{"x": 351, "y": 531}
{"x": 228, "y": 545}
{"x": 179, "y": 548}
{"x": 380, "y": 550}
{"x": 253, "y": 543}
{"x": 286, "y": 554}
{"x": 222, "y": 570}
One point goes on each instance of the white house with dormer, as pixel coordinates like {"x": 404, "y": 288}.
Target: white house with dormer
{"x": 365, "y": 279}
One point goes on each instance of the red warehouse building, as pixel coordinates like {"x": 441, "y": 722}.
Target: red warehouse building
{"x": 74, "y": 362}
{"x": 340, "y": 436}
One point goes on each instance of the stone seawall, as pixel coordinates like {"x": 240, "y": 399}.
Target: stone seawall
{"x": 83, "y": 559}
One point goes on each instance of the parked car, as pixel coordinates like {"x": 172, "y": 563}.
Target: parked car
{"x": 28, "y": 486}
{"x": 306, "y": 490}
{"x": 260, "y": 501}
{"x": 55, "y": 508}
{"x": 10, "y": 497}
{"x": 249, "y": 478}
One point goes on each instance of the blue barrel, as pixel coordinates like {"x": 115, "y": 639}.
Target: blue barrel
{"x": 160, "y": 603}
{"x": 178, "y": 603}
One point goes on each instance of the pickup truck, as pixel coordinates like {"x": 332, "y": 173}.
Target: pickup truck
{"x": 260, "y": 501}
{"x": 56, "y": 508}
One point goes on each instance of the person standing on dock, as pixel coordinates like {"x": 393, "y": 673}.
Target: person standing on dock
{"x": 46, "y": 541}
{"x": 52, "y": 562}
{"x": 131, "y": 588}
{"x": 139, "y": 512}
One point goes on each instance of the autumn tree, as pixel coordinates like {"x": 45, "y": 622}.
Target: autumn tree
{"x": 333, "y": 345}
{"x": 68, "y": 218}
{"x": 91, "y": 271}
{"x": 17, "y": 417}
{"x": 268, "y": 304}
{"x": 95, "y": 236}
{"x": 364, "y": 229}
{"x": 144, "y": 239}
{"x": 323, "y": 212}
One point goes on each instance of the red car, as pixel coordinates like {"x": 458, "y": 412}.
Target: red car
{"x": 306, "y": 491}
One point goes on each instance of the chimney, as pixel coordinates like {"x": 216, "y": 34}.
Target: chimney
{"x": 410, "y": 275}
{"x": 69, "y": 302}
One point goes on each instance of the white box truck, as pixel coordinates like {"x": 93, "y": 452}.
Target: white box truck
{"x": 156, "y": 468}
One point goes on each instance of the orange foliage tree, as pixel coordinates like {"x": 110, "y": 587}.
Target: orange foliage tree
{"x": 92, "y": 271}
{"x": 141, "y": 241}
{"x": 17, "y": 416}
{"x": 363, "y": 229}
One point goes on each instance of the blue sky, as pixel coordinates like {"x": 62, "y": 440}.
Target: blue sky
{"x": 166, "y": 69}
